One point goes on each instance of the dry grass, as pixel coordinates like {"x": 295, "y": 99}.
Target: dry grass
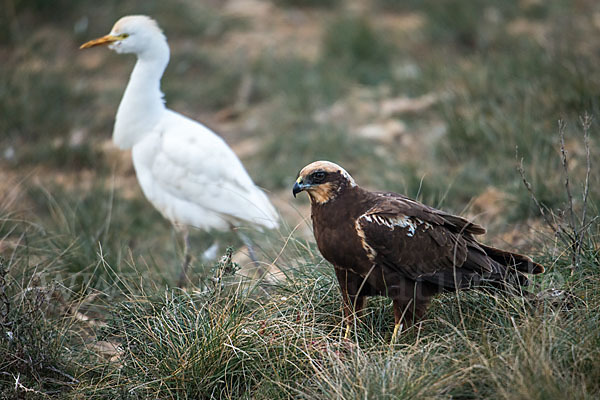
{"x": 87, "y": 304}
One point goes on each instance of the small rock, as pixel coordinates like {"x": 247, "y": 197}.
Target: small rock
{"x": 77, "y": 137}
{"x": 386, "y": 131}
{"x": 9, "y": 153}
{"x": 400, "y": 105}
{"x": 248, "y": 8}
{"x": 81, "y": 25}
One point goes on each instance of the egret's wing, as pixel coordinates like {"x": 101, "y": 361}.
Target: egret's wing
{"x": 196, "y": 166}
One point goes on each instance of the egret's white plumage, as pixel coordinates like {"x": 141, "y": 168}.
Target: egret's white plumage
{"x": 194, "y": 178}
{"x": 185, "y": 170}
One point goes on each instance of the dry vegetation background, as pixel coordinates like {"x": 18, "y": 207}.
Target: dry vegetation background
{"x": 429, "y": 98}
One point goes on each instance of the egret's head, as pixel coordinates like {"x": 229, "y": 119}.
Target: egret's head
{"x": 137, "y": 34}
{"x": 323, "y": 181}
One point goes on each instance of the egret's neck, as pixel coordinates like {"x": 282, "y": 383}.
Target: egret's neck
{"x": 142, "y": 105}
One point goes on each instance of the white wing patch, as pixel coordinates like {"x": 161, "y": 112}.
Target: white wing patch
{"x": 371, "y": 253}
{"x": 402, "y": 221}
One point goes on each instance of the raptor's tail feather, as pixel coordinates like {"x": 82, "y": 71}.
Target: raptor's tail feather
{"x": 518, "y": 261}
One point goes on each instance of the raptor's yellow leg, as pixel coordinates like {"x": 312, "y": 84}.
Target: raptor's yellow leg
{"x": 347, "y": 334}
{"x": 397, "y": 327}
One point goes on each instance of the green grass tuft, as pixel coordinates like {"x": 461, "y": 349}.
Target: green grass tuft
{"x": 354, "y": 47}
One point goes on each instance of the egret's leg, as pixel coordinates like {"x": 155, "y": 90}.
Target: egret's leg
{"x": 246, "y": 240}
{"x": 183, "y": 278}
{"x": 210, "y": 254}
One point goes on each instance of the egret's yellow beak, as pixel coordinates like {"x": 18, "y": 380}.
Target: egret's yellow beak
{"x": 108, "y": 39}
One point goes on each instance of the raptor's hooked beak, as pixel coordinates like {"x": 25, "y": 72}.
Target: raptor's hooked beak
{"x": 299, "y": 186}
{"x": 107, "y": 39}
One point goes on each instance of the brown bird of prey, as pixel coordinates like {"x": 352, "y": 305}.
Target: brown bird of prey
{"x": 383, "y": 243}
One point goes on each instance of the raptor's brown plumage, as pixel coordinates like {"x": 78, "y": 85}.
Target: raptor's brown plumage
{"x": 387, "y": 244}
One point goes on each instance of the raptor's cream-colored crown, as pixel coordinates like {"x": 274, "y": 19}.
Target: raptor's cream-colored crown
{"x": 326, "y": 166}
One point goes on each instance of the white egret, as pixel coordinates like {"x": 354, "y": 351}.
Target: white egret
{"x": 184, "y": 169}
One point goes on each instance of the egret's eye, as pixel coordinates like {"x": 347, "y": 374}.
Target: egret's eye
{"x": 124, "y": 36}
{"x": 318, "y": 176}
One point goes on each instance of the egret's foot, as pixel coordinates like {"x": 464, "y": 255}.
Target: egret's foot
{"x": 183, "y": 277}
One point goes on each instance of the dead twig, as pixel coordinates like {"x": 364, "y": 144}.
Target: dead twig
{"x": 20, "y": 386}
{"x": 565, "y": 164}
{"x": 73, "y": 380}
{"x": 573, "y": 232}
{"x": 542, "y": 209}
{"x": 5, "y": 302}
{"x": 575, "y": 242}
{"x": 586, "y": 123}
